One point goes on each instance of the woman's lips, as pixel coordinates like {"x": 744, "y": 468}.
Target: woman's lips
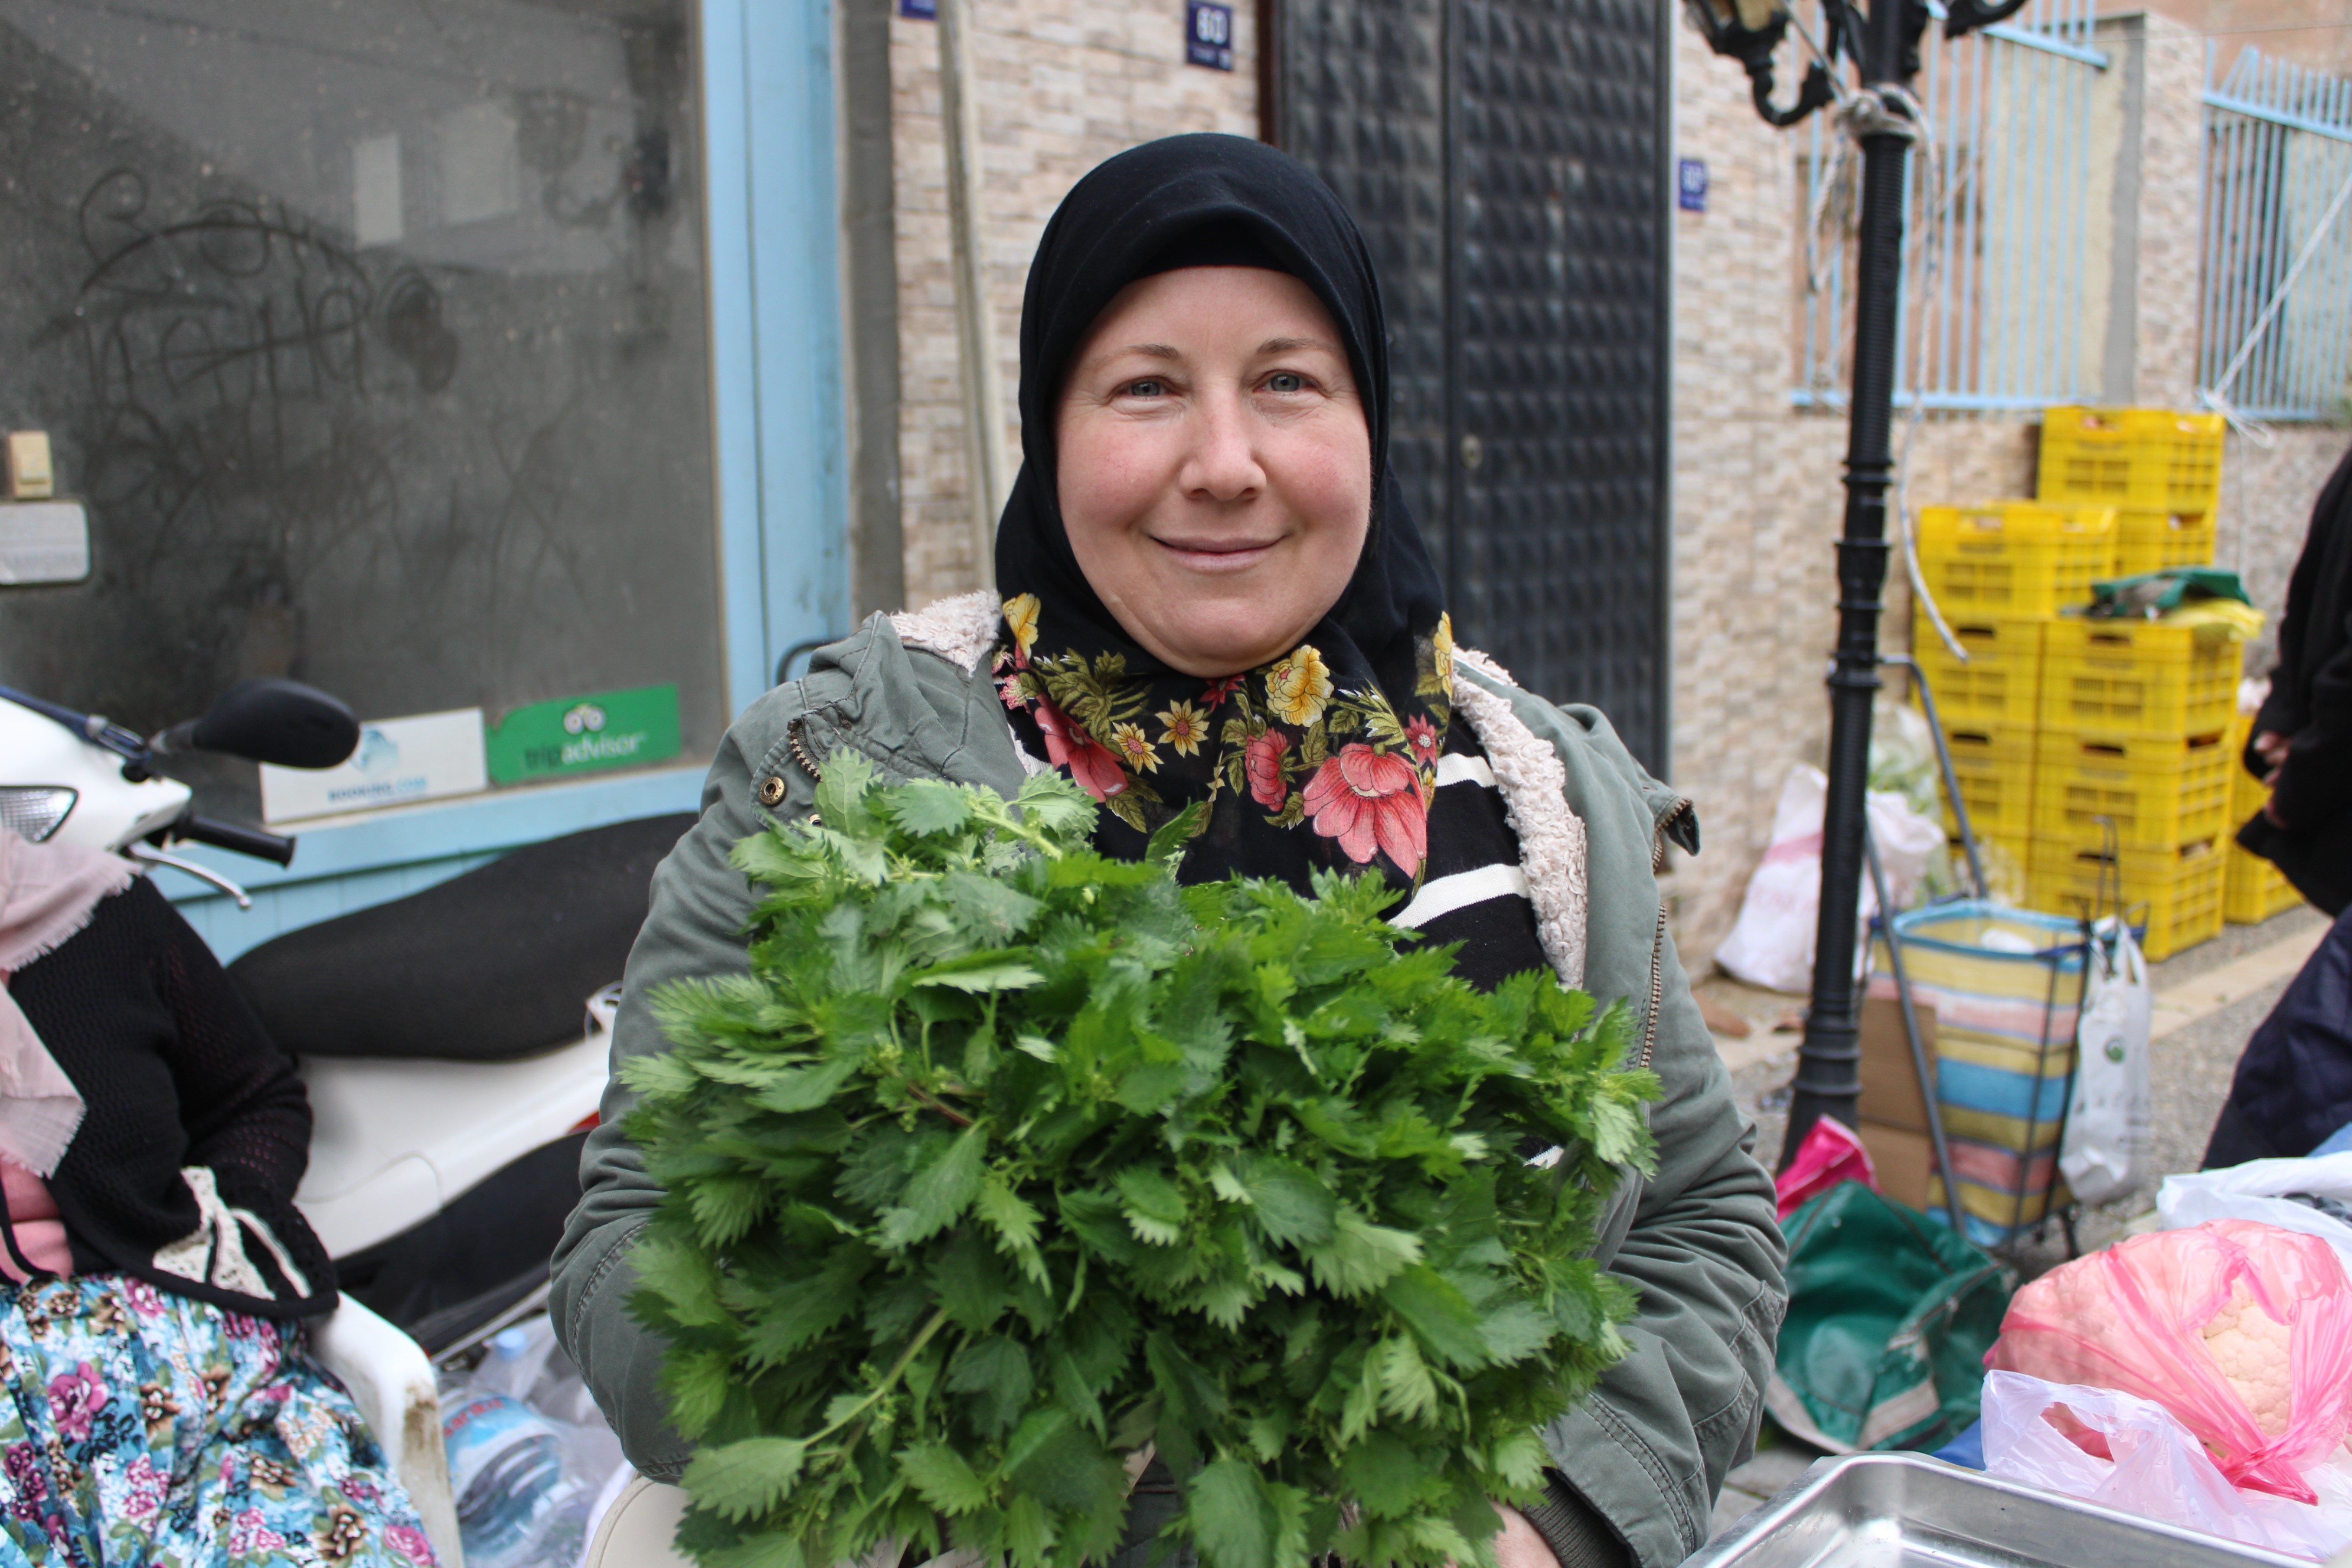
{"x": 1216, "y": 555}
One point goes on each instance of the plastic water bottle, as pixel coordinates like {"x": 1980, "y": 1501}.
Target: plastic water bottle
{"x": 521, "y": 1500}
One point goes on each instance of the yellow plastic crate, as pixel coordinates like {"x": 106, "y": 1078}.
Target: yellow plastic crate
{"x": 2001, "y": 682}
{"x": 2151, "y": 541}
{"x": 1994, "y": 768}
{"x": 2252, "y": 889}
{"x": 2139, "y": 678}
{"x": 2160, "y": 794}
{"x": 2155, "y": 458}
{"x": 2177, "y": 893}
{"x": 2020, "y": 558}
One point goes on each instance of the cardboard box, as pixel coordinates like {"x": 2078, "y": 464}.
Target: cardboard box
{"x": 1890, "y": 1084}
{"x": 1904, "y": 1161}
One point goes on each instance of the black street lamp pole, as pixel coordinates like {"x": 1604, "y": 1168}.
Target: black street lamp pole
{"x": 1885, "y": 42}
{"x": 1829, "y": 1064}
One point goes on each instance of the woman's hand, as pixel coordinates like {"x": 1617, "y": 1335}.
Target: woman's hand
{"x": 1518, "y": 1545}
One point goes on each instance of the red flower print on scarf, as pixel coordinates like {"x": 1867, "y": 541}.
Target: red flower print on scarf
{"x": 1067, "y": 745}
{"x": 1216, "y": 691}
{"x": 1368, "y": 800}
{"x": 1262, "y": 762}
{"x": 1422, "y": 736}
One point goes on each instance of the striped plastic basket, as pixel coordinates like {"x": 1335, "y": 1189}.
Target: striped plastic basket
{"x": 2007, "y": 987}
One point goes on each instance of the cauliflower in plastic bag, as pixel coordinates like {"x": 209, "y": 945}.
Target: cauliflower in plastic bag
{"x": 2242, "y": 1330}
{"x": 2250, "y": 1346}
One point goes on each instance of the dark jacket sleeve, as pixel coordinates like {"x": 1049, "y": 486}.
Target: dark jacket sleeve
{"x": 2314, "y": 786}
{"x": 246, "y": 1114}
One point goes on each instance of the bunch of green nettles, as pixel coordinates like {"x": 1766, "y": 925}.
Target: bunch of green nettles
{"x": 1007, "y": 1161}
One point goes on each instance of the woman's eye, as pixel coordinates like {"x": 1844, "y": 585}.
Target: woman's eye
{"x": 1146, "y": 388}
{"x": 1285, "y": 381}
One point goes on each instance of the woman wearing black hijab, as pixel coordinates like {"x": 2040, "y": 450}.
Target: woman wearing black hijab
{"x": 1210, "y": 589}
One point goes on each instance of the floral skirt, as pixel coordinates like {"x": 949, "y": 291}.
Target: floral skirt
{"x": 139, "y": 1427}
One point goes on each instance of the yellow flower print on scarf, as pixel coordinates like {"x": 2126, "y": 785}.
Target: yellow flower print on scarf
{"x": 1183, "y": 727}
{"x": 1021, "y": 613}
{"x": 1299, "y": 686}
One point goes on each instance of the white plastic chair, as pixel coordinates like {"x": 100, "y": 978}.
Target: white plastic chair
{"x": 391, "y": 1379}
{"x": 637, "y": 1531}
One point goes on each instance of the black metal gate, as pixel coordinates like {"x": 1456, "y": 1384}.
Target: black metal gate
{"x": 1507, "y": 162}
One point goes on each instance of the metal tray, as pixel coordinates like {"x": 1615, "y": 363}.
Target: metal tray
{"x": 1906, "y": 1510}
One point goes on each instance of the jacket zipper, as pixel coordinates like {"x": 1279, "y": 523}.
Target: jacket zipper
{"x": 1657, "y": 985}
{"x": 794, "y": 735}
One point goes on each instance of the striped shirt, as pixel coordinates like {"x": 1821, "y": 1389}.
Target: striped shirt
{"x": 1473, "y": 891}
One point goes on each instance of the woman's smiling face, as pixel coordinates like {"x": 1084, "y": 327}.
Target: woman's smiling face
{"x": 1214, "y": 465}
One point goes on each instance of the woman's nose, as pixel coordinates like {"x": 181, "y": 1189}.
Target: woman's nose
{"x": 1223, "y": 463}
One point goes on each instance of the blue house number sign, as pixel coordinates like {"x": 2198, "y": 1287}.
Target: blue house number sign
{"x": 1209, "y": 35}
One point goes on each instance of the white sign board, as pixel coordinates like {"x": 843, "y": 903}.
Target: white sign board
{"x": 399, "y": 761}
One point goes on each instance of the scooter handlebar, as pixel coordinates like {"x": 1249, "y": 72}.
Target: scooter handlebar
{"x": 228, "y": 835}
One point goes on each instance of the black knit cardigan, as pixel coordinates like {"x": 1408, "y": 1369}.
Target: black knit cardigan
{"x": 178, "y": 1079}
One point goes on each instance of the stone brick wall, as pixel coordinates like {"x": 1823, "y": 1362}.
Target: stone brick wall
{"x": 1064, "y": 84}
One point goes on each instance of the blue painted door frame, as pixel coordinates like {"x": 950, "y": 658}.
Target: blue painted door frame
{"x": 776, "y": 404}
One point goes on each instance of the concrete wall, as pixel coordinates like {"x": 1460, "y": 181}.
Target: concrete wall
{"x": 1064, "y": 84}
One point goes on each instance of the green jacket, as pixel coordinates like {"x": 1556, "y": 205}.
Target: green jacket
{"x": 1650, "y": 1449}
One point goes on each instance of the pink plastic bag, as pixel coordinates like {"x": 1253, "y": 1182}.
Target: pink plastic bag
{"x": 2151, "y": 1466}
{"x": 1830, "y": 1153}
{"x": 2151, "y": 1316}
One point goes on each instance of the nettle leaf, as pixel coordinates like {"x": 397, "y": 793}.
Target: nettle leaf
{"x": 944, "y": 1480}
{"x": 1006, "y": 1161}
{"x": 1155, "y": 1208}
{"x": 983, "y": 973}
{"x": 1361, "y": 1256}
{"x": 739, "y": 1480}
{"x": 1234, "y": 1519}
{"x": 940, "y": 1192}
{"x": 1292, "y": 1205}
{"x": 928, "y": 806}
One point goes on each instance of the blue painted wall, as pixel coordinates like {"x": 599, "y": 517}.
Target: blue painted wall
{"x": 779, "y": 450}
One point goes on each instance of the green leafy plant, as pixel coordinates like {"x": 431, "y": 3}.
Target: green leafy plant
{"x": 1007, "y": 1162}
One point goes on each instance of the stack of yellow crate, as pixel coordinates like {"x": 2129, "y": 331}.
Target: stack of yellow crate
{"x": 2160, "y": 469}
{"x": 2252, "y": 889}
{"x": 2000, "y": 572}
{"x": 2060, "y": 726}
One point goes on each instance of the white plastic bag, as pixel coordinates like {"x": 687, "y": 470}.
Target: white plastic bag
{"x": 2109, "y": 1126}
{"x": 2255, "y": 1191}
{"x": 1771, "y": 944}
{"x": 2157, "y": 1471}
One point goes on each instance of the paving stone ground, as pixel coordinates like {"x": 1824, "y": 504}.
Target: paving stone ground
{"x": 2190, "y": 1077}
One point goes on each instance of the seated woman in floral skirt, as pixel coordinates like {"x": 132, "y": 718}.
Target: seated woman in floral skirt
{"x": 160, "y": 1404}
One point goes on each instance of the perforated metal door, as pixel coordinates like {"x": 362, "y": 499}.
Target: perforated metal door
{"x": 1506, "y": 159}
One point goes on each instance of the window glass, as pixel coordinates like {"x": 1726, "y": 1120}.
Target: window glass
{"x": 374, "y": 334}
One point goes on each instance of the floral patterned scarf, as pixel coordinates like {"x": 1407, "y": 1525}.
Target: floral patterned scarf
{"x": 1328, "y": 755}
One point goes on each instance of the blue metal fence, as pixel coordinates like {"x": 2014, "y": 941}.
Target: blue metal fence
{"x": 1997, "y": 245}
{"x": 2277, "y": 312}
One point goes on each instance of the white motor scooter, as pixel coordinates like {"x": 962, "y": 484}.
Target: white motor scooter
{"x": 452, "y": 1073}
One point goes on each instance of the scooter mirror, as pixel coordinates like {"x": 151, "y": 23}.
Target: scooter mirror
{"x": 267, "y": 719}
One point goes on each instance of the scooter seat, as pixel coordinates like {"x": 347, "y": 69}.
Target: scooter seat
{"x": 492, "y": 965}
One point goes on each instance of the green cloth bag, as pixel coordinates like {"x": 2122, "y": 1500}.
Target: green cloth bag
{"x": 1890, "y": 1314}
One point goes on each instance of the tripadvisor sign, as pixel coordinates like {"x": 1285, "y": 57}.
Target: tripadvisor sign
{"x": 582, "y": 734}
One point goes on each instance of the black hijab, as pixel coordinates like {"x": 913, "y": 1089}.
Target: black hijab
{"x": 1324, "y": 757}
